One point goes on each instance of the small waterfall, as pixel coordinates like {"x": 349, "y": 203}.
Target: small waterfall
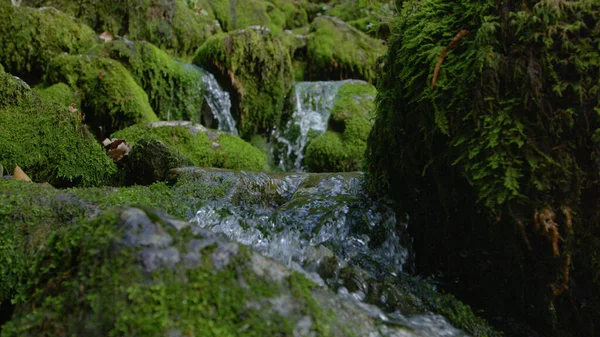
{"x": 217, "y": 99}
{"x": 219, "y": 102}
{"x": 312, "y": 104}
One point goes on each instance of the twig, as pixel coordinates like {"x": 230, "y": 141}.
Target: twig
{"x": 456, "y": 39}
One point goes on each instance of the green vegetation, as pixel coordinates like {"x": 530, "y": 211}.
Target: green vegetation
{"x": 257, "y": 70}
{"x": 170, "y": 25}
{"x": 30, "y": 38}
{"x": 47, "y": 141}
{"x": 338, "y": 51}
{"x": 174, "y": 89}
{"x": 493, "y": 150}
{"x": 203, "y": 147}
{"x": 110, "y": 98}
{"x": 342, "y": 147}
{"x": 59, "y": 93}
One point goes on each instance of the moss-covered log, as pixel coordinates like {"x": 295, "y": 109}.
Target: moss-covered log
{"x": 255, "y": 67}
{"x": 30, "y": 38}
{"x": 487, "y": 135}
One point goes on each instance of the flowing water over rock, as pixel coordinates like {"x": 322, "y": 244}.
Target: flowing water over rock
{"x": 324, "y": 226}
{"x": 218, "y": 101}
{"x": 312, "y": 103}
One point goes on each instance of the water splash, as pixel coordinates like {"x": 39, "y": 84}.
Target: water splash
{"x": 324, "y": 226}
{"x": 312, "y": 104}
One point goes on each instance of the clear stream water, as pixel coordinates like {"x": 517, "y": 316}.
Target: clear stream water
{"x": 324, "y": 226}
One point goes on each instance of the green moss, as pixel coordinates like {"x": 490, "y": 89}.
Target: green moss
{"x": 342, "y": 147}
{"x": 59, "y": 93}
{"x": 1, "y": 68}
{"x": 338, "y": 51}
{"x": 173, "y": 89}
{"x": 256, "y": 68}
{"x": 30, "y": 38}
{"x": 111, "y": 99}
{"x": 238, "y": 14}
{"x": 89, "y": 274}
{"x": 205, "y": 148}
{"x": 47, "y": 141}
{"x": 507, "y": 131}
{"x": 170, "y": 25}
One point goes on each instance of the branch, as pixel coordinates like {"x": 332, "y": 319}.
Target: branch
{"x": 456, "y": 39}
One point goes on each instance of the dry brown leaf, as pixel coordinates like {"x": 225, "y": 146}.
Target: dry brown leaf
{"x": 18, "y": 174}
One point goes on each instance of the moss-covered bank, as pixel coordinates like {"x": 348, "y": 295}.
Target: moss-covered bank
{"x": 46, "y": 140}
{"x": 110, "y": 98}
{"x": 256, "y": 69}
{"x": 30, "y": 38}
{"x": 487, "y": 136}
{"x": 342, "y": 146}
{"x": 203, "y": 147}
{"x": 174, "y": 89}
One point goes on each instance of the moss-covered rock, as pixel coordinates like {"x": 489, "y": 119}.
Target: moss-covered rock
{"x": 337, "y": 51}
{"x": 46, "y": 140}
{"x": 149, "y": 161}
{"x": 60, "y": 93}
{"x": 169, "y": 24}
{"x": 342, "y": 146}
{"x": 30, "y": 38}
{"x": 203, "y": 147}
{"x": 256, "y": 69}
{"x": 487, "y": 136}
{"x": 174, "y": 89}
{"x": 110, "y": 98}
{"x": 238, "y": 14}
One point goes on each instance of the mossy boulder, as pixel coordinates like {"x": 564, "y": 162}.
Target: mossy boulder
{"x": 342, "y": 146}
{"x": 337, "y": 51}
{"x": 110, "y": 98}
{"x": 135, "y": 271}
{"x": 31, "y": 37}
{"x": 255, "y": 67}
{"x": 60, "y": 93}
{"x": 173, "y": 88}
{"x": 169, "y": 24}
{"x": 487, "y": 137}
{"x": 46, "y": 140}
{"x": 238, "y": 14}
{"x": 203, "y": 147}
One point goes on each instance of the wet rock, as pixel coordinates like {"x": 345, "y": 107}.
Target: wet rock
{"x": 121, "y": 270}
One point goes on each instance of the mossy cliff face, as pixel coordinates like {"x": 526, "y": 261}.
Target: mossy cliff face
{"x": 46, "y": 140}
{"x": 256, "y": 69}
{"x": 495, "y": 154}
{"x": 337, "y": 51}
{"x": 203, "y": 147}
{"x": 342, "y": 146}
{"x": 28, "y": 44}
{"x": 173, "y": 89}
{"x": 110, "y": 98}
{"x": 169, "y": 24}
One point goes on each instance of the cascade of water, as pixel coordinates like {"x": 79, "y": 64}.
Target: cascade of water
{"x": 218, "y": 100}
{"x": 324, "y": 226}
{"x": 312, "y": 104}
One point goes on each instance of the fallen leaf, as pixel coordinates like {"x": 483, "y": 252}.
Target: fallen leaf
{"x": 20, "y": 175}
{"x": 106, "y": 36}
